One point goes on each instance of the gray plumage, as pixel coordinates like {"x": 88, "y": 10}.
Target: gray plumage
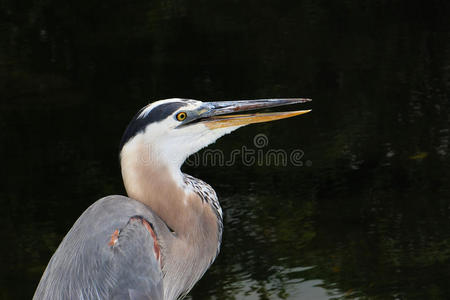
{"x": 126, "y": 270}
{"x": 129, "y": 268}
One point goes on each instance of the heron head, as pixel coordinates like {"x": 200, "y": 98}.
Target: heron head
{"x": 170, "y": 130}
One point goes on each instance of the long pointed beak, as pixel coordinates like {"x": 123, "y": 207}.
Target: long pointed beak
{"x": 218, "y": 114}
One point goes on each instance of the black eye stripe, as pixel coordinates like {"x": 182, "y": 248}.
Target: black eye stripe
{"x": 157, "y": 114}
{"x": 163, "y": 111}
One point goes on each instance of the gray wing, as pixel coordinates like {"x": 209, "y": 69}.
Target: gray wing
{"x": 108, "y": 254}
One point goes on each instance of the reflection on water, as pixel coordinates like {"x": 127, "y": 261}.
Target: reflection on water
{"x": 368, "y": 217}
{"x": 287, "y": 283}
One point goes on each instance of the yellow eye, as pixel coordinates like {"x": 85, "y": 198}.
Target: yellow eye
{"x": 181, "y": 116}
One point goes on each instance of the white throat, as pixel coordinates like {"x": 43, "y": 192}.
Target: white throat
{"x": 162, "y": 146}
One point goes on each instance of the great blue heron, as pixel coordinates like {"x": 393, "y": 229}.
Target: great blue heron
{"x": 157, "y": 243}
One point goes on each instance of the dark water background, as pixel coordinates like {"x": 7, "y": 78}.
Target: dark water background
{"x": 367, "y": 215}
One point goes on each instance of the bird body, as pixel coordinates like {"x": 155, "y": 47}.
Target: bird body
{"x": 96, "y": 266}
{"x": 158, "y": 242}
{"x": 100, "y": 239}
